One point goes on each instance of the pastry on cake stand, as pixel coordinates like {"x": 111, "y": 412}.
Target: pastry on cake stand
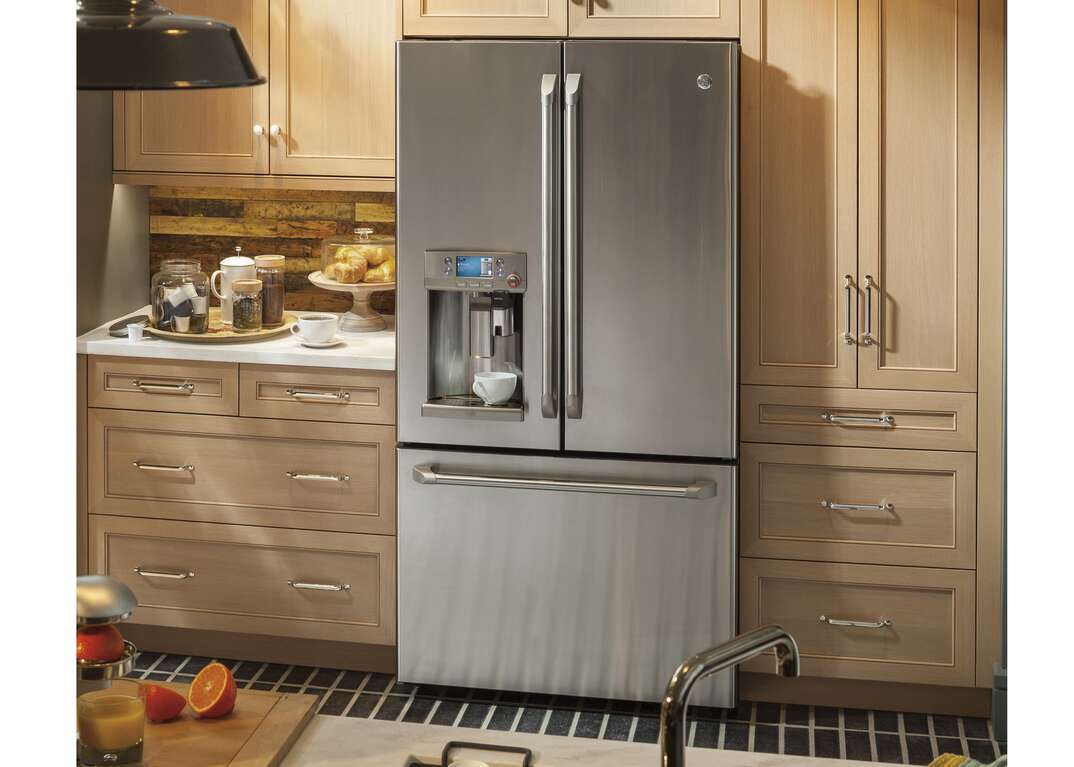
{"x": 362, "y": 317}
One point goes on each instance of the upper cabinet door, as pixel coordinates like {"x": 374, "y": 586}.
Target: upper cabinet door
{"x": 654, "y": 18}
{"x": 203, "y": 131}
{"x": 485, "y": 18}
{"x": 799, "y": 192}
{"x": 918, "y": 195}
{"x": 333, "y": 87}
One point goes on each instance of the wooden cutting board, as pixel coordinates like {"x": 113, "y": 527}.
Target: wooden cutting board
{"x": 258, "y": 733}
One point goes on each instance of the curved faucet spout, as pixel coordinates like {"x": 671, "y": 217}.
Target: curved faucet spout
{"x": 724, "y": 656}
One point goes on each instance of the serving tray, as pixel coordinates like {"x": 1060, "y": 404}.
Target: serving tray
{"x": 219, "y": 333}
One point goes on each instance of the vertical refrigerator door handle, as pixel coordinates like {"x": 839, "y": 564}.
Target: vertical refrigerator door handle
{"x": 549, "y": 216}
{"x": 572, "y": 92}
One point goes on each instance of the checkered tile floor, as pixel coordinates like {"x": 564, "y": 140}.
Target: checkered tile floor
{"x": 880, "y": 736}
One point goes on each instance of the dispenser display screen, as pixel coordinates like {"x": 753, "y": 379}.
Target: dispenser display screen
{"x": 473, "y": 266}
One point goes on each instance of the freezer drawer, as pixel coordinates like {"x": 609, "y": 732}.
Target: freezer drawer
{"x": 558, "y": 575}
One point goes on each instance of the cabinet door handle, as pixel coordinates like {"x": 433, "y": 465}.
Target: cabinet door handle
{"x": 881, "y": 420}
{"x": 319, "y": 586}
{"x": 189, "y": 467}
{"x": 319, "y": 477}
{"x": 320, "y": 396}
{"x": 259, "y": 130}
{"x": 833, "y": 506}
{"x": 163, "y": 388}
{"x": 171, "y": 575}
{"x": 867, "y": 338}
{"x": 848, "y": 327}
{"x": 274, "y": 130}
{"x": 883, "y": 623}
{"x": 549, "y": 241}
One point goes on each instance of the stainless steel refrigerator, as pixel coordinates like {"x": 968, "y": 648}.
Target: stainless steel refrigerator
{"x": 567, "y": 214}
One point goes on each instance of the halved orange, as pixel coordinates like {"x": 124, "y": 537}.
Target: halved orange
{"x": 213, "y": 692}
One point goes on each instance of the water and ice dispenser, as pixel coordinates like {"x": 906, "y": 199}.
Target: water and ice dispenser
{"x": 475, "y": 326}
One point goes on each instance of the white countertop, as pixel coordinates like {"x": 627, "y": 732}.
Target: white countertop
{"x": 359, "y": 351}
{"x": 330, "y": 741}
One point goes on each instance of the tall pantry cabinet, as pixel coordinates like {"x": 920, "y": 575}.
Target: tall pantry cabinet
{"x": 859, "y": 204}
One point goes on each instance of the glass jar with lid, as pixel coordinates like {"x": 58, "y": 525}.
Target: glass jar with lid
{"x": 179, "y": 296}
{"x": 246, "y": 305}
{"x": 270, "y": 270}
{"x": 361, "y": 257}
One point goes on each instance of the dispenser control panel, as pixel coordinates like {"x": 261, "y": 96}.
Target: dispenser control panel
{"x": 482, "y": 271}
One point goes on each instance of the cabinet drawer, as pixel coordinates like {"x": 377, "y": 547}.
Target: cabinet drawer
{"x": 175, "y": 386}
{"x": 310, "y": 394}
{"x": 897, "y": 507}
{"x": 242, "y": 471}
{"x": 253, "y": 580}
{"x": 859, "y": 417}
{"x": 929, "y": 640}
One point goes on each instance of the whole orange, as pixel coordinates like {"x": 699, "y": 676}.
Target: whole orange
{"x": 161, "y": 703}
{"x": 213, "y": 692}
{"x": 100, "y": 644}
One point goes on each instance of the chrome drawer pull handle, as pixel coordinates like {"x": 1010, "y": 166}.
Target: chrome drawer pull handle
{"x": 163, "y": 388}
{"x": 883, "y": 623}
{"x": 867, "y": 338}
{"x": 701, "y": 489}
{"x": 883, "y": 420}
{"x": 178, "y": 575}
{"x": 857, "y": 506}
{"x": 319, "y": 586}
{"x": 319, "y": 477}
{"x": 162, "y": 467}
{"x": 320, "y": 396}
{"x": 848, "y": 324}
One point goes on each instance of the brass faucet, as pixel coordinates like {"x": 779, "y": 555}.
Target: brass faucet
{"x": 724, "y": 656}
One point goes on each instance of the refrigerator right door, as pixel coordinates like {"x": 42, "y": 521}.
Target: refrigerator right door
{"x": 650, "y": 247}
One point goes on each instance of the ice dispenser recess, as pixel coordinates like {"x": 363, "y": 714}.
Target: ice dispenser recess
{"x": 475, "y": 326}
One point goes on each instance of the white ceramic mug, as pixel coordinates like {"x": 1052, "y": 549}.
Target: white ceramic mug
{"x": 494, "y": 387}
{"x": 316, "y": 328}
{"x": 231, "y": 269}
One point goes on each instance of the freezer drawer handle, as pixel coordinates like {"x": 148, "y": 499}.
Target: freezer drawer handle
{"x": 180, "y": 575}
{"x": 833, "y": 506}
{"x": 319, "y": 586}
{"x": 883, "y": 623}
{"x": 697, "y": 490}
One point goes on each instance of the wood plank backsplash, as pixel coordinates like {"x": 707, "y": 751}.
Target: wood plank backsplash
{"x": 207, "y": 223}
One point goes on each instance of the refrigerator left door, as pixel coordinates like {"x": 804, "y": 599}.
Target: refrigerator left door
{"x": 477, "y": 172}
{"x": 548, "y": 574}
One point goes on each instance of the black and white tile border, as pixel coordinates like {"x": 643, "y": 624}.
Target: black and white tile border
{"x": 880, "y": 736}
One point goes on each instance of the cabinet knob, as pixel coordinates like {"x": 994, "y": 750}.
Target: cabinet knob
{"x": 275, "y": 131}
{"x": 259, "y": 130}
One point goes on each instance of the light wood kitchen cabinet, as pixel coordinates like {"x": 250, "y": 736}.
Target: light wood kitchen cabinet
{"x": 918, "y": 194}
{"x": 328, "y": 109}
{"x": 485, "y": 18}
{"x": 654, "y": 18}
{"x": 131, "y": 383}
{"x": 799, "y": 192}
{"x": 312, "y": 394}
{"x": 201, "y": 131}
{"x": 332, "y": 81}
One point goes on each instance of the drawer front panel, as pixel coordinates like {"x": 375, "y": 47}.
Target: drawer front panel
{"x": 174, "y": 386}
{"x": 255, "y": 580}
{"x": 309, "y": 394}
{"x": 900, "y": 507}
{"x": 243, "y": 471}
{"x": 891, "y": 624}
{"x": 859, "y": 418}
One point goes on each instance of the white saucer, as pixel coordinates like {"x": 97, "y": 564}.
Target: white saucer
{"x": 321, "y": 344}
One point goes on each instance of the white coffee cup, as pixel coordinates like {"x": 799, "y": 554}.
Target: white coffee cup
{"x": 134, "y": 332}
{"x": 495, "y": 387}
{"x": 316, "y": 328}
{"x": 231, "y": 269}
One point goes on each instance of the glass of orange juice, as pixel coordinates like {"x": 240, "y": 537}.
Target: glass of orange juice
{"x": 111, "y": 727}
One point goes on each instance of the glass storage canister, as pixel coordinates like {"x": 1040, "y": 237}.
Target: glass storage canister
{"x": 246, "y": 305}
{"x": 180, "y": 297}
{"x": 361, "y": 257}
{"x": 270, "y": 270}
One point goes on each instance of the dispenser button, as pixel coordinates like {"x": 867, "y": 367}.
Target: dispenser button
{"x": 513, "y": 280}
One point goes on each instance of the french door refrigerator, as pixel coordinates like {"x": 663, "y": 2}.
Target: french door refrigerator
{"x": 579, "y": 539}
